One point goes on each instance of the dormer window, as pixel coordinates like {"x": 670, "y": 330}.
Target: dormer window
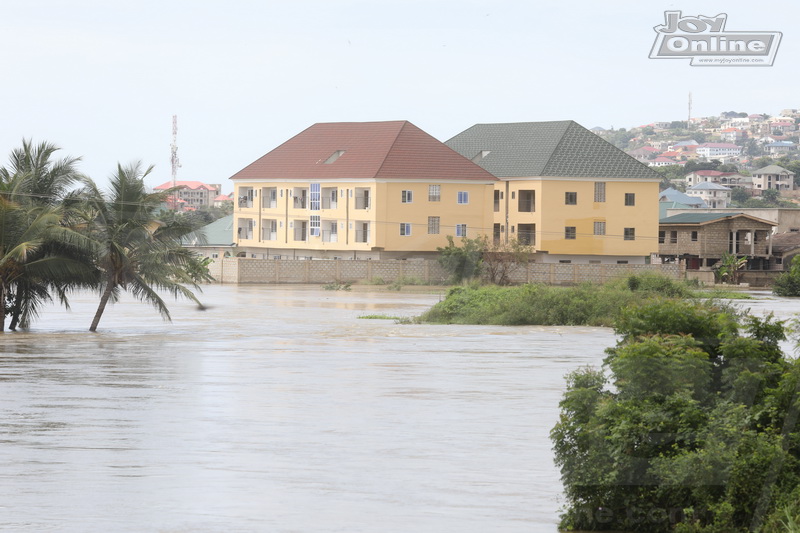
{"x": 334, "y": 156}
{"x": 480, "y": 155}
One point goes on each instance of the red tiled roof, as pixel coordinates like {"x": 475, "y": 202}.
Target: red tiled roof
{"x": 711, "y": 173}
{"x": 371, "y": 150}
{"x": 223, "y": 198}
{"x": 187, "y": 184}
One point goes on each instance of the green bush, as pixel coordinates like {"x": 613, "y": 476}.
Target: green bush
{"x": 690, "y": 427}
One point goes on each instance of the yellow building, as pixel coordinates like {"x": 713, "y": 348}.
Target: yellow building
{"x": 359, "y": 190}
{"x": 567, "y": 192}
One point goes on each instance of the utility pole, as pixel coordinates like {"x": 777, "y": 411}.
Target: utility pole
{"x": 174, "y": 158}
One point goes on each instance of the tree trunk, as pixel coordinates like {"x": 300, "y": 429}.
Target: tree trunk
{"x": 16, "y": 310}
{"x": 2, "y": 307}
{"x": 102, "y": 307}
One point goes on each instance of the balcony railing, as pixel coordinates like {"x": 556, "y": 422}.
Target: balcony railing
{"x": 300, "y": 234}
{"x": 362, "y": 236}
{"x": 300, "y": 203}
{"x": 270, "y": 235}
{"x": 244, "y": 201}
{"x": 362, "y": 202}
{"x": 329, "y": 203}
{"x": 328, "y": 236}
{"x": 525, "y": 206}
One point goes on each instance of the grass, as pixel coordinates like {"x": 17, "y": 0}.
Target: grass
{"x": 535, "y": 304}
{"x": 380, "y": 317}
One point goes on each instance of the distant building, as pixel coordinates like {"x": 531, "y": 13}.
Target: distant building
{"x": 664, "y": 162}
{"x": 191, "y": 194}
{"x": 773, "y": 177}
{"x": 674, "y": 195}
{"x": 718, "y": 150}
{"x": 714, "y": 195}
{"x": 780, "y": 147}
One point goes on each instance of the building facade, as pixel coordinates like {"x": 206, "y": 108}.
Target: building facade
{"x": 568, "y": 193}
{"x": 359, "y": 190}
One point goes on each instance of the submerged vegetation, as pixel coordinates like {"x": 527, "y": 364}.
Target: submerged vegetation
{"x": 536, "y": 304}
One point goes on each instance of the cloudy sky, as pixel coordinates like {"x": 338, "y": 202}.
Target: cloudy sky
{"x": 103, "y": 78}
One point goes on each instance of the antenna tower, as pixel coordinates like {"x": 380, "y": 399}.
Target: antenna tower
{"x": 176, "y": 163}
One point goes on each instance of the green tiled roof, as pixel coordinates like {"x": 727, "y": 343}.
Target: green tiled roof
{"x": 218, "y": 233}
{"x": 695, "y": 218}
{"x": 559, "y": 149}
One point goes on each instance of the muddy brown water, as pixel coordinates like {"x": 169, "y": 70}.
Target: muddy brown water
{"x": 279, "y": 409}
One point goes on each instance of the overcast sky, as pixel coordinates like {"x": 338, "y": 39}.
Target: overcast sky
{"x": 103, "y": 78}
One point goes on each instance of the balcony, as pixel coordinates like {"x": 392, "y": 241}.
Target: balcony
{"x": 362, "y": 202}
{"x": 329, "y": 203}
{"x": 362, "y": 235}
{"x": 300, "y": 203}
{"x": 330, "y": 236}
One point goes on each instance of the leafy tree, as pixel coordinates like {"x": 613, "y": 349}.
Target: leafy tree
{"x": 739, "y": 195}
{"x": 788, "y": 283}
{"x": 463, "y": 262}
{"x": 42, "y": 256}
{"x": 137, "y": 252}
{"x": 771, "y": 196}
{"x": 686, "y": 430}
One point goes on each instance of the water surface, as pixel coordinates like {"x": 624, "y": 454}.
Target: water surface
{"x": 278, "y": 409}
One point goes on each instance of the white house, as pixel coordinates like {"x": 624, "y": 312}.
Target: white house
{"x": 717, "y": 150}
{"x": 715, "y": 196}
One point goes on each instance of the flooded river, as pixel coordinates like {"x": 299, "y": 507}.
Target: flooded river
{"x": 279, "y": 409}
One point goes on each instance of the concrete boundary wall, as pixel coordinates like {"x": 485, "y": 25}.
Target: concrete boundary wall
{"x": 249, "y": 270}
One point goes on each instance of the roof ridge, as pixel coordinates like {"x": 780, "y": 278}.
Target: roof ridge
{"x": 569, "y": 123}
{"x": 391, "y": 147}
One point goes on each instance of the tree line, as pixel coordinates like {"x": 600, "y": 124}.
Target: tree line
{"x": 59, "y": 233}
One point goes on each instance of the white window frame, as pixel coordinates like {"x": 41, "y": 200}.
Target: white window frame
{"x": 461, "y": 230}
{"x": 434, "y": 225}
{"x": 406, "y": 197}
{"x": 405, "y": 229}
{"x": 434, "y": 193}
{"x": 314, "y": 226}
{"x": 463, "y": 197}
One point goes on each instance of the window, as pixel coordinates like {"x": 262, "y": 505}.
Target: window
{"x": 313, "y": 227}
{"x": 600, "y": 191}
{"x": 434, "y": 193}
{"x": 599, "y": 228}
{"x": 405, "y": 229}
{"x": 662, "y": 237}
{"x": 694, "y": 236}
{"x": 315, "y": 198}
{"x": 565, "y": 261}
{"x": 630, "y": 234}
{"x": 433, "y": 225}
{"x": 622, "y": 262}
{"x": 673, "y": 237}
{"x": 571, "y": 198}
{"x": 461, "y": 230}
{"x": 407, "y": 197}
{"x": 463, "y": 197}
{"x": 527, "y": 201}
{"x": 630, "y": 198}
{"x": 570, "y": 233}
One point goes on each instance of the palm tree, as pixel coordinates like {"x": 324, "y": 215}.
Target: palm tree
{"x": 136, "y": 251}
{"x": 39, "y": 256}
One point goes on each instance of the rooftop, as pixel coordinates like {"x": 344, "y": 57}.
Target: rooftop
{"x": 557, "y": 149}
{"x": 363, "y": 150}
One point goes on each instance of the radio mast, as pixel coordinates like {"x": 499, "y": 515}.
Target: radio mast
{"x": 174, "y": 158}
